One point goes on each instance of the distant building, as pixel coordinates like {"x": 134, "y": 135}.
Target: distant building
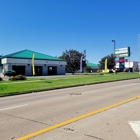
{"x": 94, "y": 67}
{"x": 21, "y": 62}
{"x": 132, "y": 65}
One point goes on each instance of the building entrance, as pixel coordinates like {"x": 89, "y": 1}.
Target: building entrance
{"x": 52, "y": 70}
{"x": 19, "y": 69}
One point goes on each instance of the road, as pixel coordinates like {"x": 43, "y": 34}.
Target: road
{"x": 27, "y": 114}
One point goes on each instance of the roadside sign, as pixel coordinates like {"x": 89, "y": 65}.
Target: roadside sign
{"x": 122, "y": 52}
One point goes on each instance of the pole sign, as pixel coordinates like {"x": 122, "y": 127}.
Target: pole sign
{"x": 122, "y": 52}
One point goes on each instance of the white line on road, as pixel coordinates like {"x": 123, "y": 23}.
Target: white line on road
{"x": 135, "y": 125}
{"x": 13, "y": 107}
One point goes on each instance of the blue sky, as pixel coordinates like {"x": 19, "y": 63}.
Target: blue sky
{"x": 53, "y": 26}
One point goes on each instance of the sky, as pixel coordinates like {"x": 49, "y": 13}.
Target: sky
{"x": 53, "y": 26}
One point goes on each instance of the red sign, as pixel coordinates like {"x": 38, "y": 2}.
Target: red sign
{"x": 122, "y": 60}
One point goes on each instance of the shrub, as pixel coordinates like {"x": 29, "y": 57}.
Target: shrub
{"x": 99, "y": 71}
{"x": 20, "y": 77}
{"x": 1, "y": 79}
{"x": 17, "y": 77}
{"x": 12, "y": 78}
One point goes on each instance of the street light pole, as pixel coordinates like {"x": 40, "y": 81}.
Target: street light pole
{"x": 139, "y": 51}
{"x": 129, "y": 63}
{"x": 114, "y": 46}
{"x": 114, "y": 51}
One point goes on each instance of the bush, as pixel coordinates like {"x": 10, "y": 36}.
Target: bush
{"x": 12, "y": 78}
{"x": 17, "y": 77}
{"x": 99, "y": 71}
{"x": 20, "y": 77}
{"x": 1, "y": 79}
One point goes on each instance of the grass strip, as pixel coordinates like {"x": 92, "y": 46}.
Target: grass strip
{"x": 46, "y": 84}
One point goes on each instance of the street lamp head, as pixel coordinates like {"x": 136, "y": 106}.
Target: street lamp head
{"x": 113, "y": 40}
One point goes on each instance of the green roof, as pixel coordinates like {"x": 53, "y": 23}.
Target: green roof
{"x": 27, "y": 54}
{"x": 93, "y": 65}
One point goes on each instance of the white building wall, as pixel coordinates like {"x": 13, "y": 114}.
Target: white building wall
{"x": 60, "y": 70}
{"x": 117, "y": 65}
{"x": 9, "y": 62}
{"x": 29, "y": 61}
{"x": 7, "y": 67}
{"x": 4, "y": 61}
{"x": 135, "y": 65}
{"x": 131, "y": 64}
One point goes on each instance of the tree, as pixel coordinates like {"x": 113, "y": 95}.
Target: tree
{"x": 61, "y": 57}
{"x": 72, "y": 57}
{"x": 110, "y": 62}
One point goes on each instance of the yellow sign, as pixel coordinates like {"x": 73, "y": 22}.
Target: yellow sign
{"x": 33, "y": 64}
{"x": 105, "y": 65}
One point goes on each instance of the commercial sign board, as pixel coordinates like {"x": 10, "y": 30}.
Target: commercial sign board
{"x": 122, "y": 60}
{"x": 122, "y": 55}
{"x": 122, "y": 52}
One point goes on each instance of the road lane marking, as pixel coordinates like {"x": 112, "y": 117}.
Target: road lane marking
{"x": 76, "y": 119}
{"x": 135, "y": 125}
{"x": 13, "y": 107}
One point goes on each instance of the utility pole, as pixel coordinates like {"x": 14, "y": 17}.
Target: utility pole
{"x": 139, "y": 51}
{"x": 114, "y": 46}
{"x": 114, "y": 51}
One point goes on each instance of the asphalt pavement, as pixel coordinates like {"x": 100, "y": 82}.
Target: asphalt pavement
{"x": 22, "y": 115}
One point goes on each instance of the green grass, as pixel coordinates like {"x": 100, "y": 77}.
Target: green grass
{"x": 40, "y": 84}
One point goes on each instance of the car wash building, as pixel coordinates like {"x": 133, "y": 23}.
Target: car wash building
{"x": 23, "y": 63}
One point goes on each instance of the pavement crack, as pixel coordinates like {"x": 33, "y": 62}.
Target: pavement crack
{"x": 93, "y": 137}
{"x": 25, "y": 119}
{"x": 68, "y": 129}
{"x": 75, "y": 94}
